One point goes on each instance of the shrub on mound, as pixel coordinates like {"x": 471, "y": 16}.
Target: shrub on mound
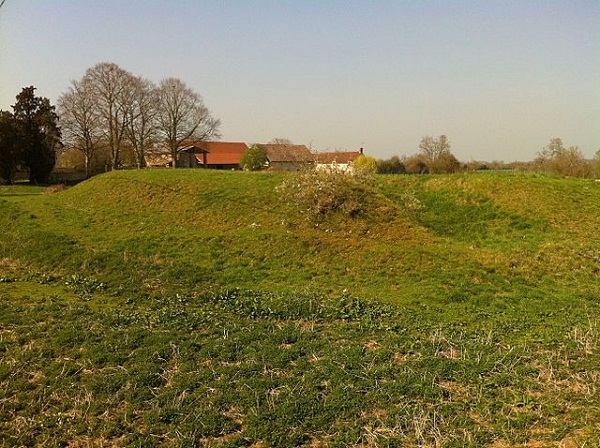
{"x": 317, "y": 194}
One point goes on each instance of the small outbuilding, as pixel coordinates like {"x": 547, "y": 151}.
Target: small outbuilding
{"x": 284, "y": 157}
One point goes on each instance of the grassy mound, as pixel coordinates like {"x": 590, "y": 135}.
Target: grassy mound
{"x": 159, "y": 230}
{"x": 431, "y": 237}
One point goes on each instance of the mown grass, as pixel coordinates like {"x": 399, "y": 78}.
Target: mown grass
{"x": 197, "y": 308}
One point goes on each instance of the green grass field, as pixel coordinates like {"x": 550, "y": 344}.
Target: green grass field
{"x": 202, "y": 308}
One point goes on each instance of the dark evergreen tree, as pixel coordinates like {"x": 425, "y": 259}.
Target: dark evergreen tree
{"x": 38, "y": 134}
{"x": 9, "y": 149}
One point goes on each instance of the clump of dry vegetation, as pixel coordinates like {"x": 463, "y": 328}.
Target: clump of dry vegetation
{"x": 55, "y": 188}
{"x": 317, "y": 194}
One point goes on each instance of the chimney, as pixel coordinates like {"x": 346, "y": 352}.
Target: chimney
{"x": 361, "y": 150}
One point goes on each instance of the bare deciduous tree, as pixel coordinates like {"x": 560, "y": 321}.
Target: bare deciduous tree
{"x": 141, "y": 110}
{"x": 433, "y": 148}
{"x": 80, "y": 120}
{"x": 281, "y": 141}
{"x": 555, "y": 158}
{"x": 551, "y": 150}
{"x": 111, "y": 84}
{"x": 436, "y": 154}
{"x": 182, "y": 115}
{"x": 111, "y": 106}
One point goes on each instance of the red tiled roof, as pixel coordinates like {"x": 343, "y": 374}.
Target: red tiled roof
{"x": 220, "y": 153}
{"x": 288, "y": 153}
{"x": 337, "y": 157}
{"x": 220, "y": 159}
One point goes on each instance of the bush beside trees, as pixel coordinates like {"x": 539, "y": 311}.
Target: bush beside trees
{"x": 392, "y": 165}
{"x": 254, "y": 158}
{"x": 434, "y": 157}
{"x": 415, "y": 165}
{"x": 435, "y": 152}
{"x": 365, "y": 165}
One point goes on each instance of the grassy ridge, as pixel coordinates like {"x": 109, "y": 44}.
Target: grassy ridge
{"x": 462, "y": 312}
{"x": 158, "y": 230}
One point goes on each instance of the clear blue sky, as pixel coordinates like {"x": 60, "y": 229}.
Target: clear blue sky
{"x": 500, "y": 78}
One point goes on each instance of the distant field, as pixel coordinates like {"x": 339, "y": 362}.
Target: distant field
{"x": 199, "y": 308}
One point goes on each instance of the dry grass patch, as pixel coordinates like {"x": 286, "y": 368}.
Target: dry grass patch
{"x": 90, "y": 442}
{"x": 55, "y": 188}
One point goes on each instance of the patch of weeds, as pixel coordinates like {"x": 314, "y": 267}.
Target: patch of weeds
{"x": 265, "y": 305}
{"x": 83, "y": 286}
{"x": 587, "y": 337}
{"x": 44, "y": 279}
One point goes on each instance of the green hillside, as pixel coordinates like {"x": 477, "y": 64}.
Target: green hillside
{"x": 157, "y": 230}
{"x": 203, "y": 308}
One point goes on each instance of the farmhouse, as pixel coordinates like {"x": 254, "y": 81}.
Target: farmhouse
{"x": 336, "y": 161}
{"x": 284, "y": 157}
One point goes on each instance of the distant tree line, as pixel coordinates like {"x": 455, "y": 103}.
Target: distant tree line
{"x": 29, "y": 138}
{"x": 435, "y": 157}
{"x": 115, "y": 118}
{"x": 111, "y": 118}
